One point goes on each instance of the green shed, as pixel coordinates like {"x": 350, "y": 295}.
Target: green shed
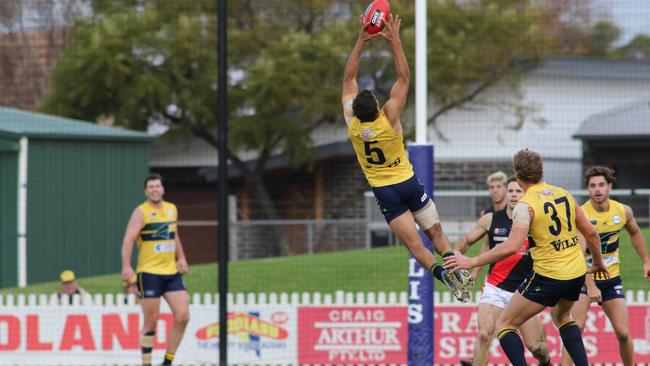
{"x": 67, "y": 189}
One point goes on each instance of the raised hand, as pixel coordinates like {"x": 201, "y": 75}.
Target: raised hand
{"x": 391, "y": 30}
{"x": 363, "y": 33}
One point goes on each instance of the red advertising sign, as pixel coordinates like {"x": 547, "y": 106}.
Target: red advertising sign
{"x": 365, "y": 334}
{"x": 352, "y": 335}
{"x": 455, "y": 335}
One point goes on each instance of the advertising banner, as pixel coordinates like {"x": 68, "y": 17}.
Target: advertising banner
{"x": 276, "y": 334}
{"x": 456, "y": 330}
{"x": 352, "y": 335}
{"x": 98, "y": 335}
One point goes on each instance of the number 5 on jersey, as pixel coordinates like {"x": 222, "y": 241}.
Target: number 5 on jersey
{"x": 374, "y": 155}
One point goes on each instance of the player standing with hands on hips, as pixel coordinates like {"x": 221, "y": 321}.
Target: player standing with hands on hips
{"x": 161, "y": 263}
{"x": 376, "y": 136}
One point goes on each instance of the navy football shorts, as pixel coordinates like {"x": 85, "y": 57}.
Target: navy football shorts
{"x": 155, "y": 285}
{"x": 395, "y": 199}
{"x": 611, "y": 288}
{"x": 548, "y": 291}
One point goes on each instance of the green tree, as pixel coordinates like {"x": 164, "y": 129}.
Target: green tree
{"x": 137, "y": 63}
{"x": 637, "y": 49}
{"x": 602, "y": 37}
{"x": 472, "y": 47}
{"x": 142, "y": 62}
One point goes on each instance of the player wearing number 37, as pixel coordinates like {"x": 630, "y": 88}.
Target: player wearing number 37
{"x": 376, "y": 136}
{"x": 550, "y": 218}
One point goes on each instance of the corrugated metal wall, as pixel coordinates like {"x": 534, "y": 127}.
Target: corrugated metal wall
{"x": 8, "y": 212}
{"x": 81, "y": 195}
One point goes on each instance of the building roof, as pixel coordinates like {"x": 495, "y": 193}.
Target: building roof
{"x": 16, "y": 122}
{"x": 629, "y": 121}
{"x": 593, "y": 68}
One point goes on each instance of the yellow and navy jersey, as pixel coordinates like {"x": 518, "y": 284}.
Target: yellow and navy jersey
{"x": 608, "y": 224}
{"x": 380, "y": 151}
{"x": 553, "y": 238}
{"x": 157, "y": 239}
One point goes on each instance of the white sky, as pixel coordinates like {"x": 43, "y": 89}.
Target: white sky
{"x": 632, "y": 16}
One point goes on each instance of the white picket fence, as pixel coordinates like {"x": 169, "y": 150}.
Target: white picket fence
{"x": 283, "y": 298}
{"x": 203, "y": 306}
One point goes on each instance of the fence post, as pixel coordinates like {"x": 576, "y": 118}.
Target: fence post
{"x": 310, "y": 238}
{"x": 232, "y": 222}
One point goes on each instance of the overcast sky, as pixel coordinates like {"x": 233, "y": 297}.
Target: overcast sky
{"x": 632, "y": 16}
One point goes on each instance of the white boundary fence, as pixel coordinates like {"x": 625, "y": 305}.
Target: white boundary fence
{"x": 270, "y": 329}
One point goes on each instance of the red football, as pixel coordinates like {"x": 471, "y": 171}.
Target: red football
{"x": 375, "y": 16}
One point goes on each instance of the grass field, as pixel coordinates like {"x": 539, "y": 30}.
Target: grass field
{"x": 383, "y": 269}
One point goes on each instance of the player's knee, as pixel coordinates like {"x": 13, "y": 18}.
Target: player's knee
{"x": 151, "y": 316}
{"x": 485, "y": 335}
{"x": 182, "y": 317}
{"x": 560, "y": 319}
{"x": 428, "y": 219}
{"x": 622, "y": 335}
{"x": 535, "y": 347}
{"x": 539, "y": 350}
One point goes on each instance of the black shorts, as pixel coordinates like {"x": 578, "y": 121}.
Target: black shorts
{"x": 548, "y": 291}
{"x": 395, "y": 199}
{"x": 155, "y": 285}
{"x": 611, "y": 288}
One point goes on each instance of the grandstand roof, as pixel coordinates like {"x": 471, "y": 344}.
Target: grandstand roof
{"x": 629, "y": 121}
{"x": 16, "y": 122}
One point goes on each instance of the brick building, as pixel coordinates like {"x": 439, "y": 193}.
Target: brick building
{"x": 27, "y": 58}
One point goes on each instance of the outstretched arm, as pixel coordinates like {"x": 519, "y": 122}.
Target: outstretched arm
{"x": 522, "y": 216}
{"x": 477, "y": 232}
{"x": 638, "y": 241}
{"x": 399, "y": 92}
{"x": 350, "y": 88}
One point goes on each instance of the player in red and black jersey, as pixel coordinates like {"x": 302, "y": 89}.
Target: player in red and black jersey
{"x": 502, "y": 281}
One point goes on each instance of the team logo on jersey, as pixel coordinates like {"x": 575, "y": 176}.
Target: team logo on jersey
{"x": 500, "y": 231}
{"x": 593, "y": 222}
{"x": 616, "y": 219}
{"x": 547, "y": 193}
{"x": 367, "y": 134}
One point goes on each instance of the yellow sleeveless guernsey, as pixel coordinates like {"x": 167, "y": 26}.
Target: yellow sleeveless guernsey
{"x": 608, "y": 224}
{"x": 380, "y": 151}
{"x": 552, "y": 237}
{"x": 157, "y": 239}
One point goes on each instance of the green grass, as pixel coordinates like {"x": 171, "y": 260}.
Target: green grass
{"x": 383, "y": 269}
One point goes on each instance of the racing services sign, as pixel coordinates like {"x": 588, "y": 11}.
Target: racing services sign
{"x": 456, "y": 330}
